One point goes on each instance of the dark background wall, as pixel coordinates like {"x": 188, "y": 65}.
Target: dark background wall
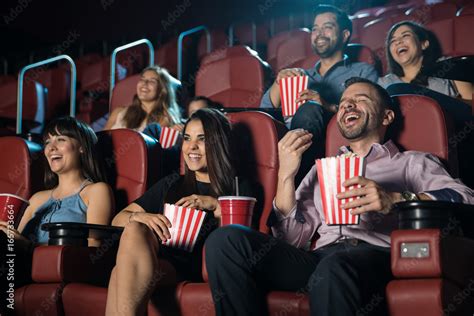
{"x": 35, "y": 29}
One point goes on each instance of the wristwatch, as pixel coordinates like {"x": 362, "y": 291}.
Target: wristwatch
{"x": 409, "y": 196}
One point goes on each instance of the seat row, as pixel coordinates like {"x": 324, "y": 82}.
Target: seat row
{"x": 71, "y": 280}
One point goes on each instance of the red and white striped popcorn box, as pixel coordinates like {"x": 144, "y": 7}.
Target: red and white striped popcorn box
{"x": 186, "y": 223}
{"x": 332, "y": 172}
{"x": 290, "y": 87}
{"x": 168, "y": 137}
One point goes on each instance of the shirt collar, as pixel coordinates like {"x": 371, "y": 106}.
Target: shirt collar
{"x": 344, "y": 62}
{"x": 376, "y": 149}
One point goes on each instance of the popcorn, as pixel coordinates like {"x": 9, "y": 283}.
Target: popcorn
{"x": 186, "y": 223}
{"x": 332, "y": 172}
{"x": 290, "y": 87}
{"x": 168, "y": 137}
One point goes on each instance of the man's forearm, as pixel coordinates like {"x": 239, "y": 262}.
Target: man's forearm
{"x": 285, "y": 198}
{"x": 275, "y": 95}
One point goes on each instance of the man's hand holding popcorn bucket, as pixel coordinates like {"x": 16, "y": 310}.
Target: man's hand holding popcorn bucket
{"x": 345, "y": 191}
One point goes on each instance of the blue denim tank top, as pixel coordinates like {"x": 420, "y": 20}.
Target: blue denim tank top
{"x": 68, "y": 209}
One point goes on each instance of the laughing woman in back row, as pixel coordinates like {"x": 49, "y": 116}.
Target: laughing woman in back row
{"x": 409, "y": 53}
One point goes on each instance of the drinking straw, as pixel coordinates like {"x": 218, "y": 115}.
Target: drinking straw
{"x": 237, "y": 186}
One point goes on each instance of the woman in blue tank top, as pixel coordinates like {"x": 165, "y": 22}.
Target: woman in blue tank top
{"x": 75, "y": 188}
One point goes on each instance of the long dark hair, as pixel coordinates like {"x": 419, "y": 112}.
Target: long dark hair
{"x": 430, "y": 54}
{"x": 80, "y": 131}
{"x": 220, "y": 165}
{"x": 165, "y": 112}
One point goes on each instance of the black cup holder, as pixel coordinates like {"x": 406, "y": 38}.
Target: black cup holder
{"x": 452, "y": 218}
{"x": 76, "y": 234}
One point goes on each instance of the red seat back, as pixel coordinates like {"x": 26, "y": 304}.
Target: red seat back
{"x": 463, "y": 25}
{"x": 34, "y": 101}
{"x": 468, "y": 9}
{"x": 444, "y": 31}
{"x": 422, "y": 127}
{"x": 233, "y": 80}
{"x": 132, "y": 162}
{"x": 434, "y": 12}
{"x": 57, "y": 81}
{"x": 291, "y": 47}
{"x": 22, "y": 167}
{"x": 123, "y": 92}
{"x": 256, "y": 139}
{"x": 218, "y": 41}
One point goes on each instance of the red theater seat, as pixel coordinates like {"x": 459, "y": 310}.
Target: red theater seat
{"x": 434, "y": 12}
{"x": 34, "y": 103}
{"x": 133, "y": 163}
{"x": 257, "y": 135}
{"x": 123, "y": 92}
{"x": 234, "y": 81}
{"x": 21, "y": 170}
{"x": 468, "y": 9}
{"x": 219, "y": 41}
{"x": 424, "y": 128}
{"x": 463, "y": 25}
{"x": 444, "y": 31}
{"x": 288, "y": 47}
{"x": 57, "y": 81}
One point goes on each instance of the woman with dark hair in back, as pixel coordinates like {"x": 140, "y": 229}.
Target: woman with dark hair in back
{"x": 410, "y": 50}
{"x": 209, "y": 173}
{"x": 154, "y": 102}
{"x": 75, "y": 190}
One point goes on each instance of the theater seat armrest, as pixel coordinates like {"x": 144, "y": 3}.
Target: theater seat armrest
{"x": 446, "y": 256}
{"x": 91, "y": 265}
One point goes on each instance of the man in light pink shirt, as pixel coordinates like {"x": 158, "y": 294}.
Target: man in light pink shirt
{"x": 348, "y": 267}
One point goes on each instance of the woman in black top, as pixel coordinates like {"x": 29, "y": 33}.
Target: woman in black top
{"x": 209, "y": 173}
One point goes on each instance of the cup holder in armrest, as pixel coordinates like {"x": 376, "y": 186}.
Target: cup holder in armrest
{"x": 455, "y": 218}
{"x": 76, "y": 234}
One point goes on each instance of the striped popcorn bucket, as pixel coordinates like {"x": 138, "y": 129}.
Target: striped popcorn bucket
{"x": 185, "y": 226}
{"x": 168, "y": 137}
{"x": 290, "y": 87}
{"x": 332, "y": 172}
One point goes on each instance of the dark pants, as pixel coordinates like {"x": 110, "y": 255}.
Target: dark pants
{"x": 340, "y": 279}
{"x": 312, "y": 117}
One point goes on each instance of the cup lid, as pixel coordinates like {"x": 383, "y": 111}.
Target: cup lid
{"x": 15, "y": 196}
{"x": 235, "y": 197}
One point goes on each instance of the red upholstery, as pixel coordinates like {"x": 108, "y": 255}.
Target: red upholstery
{"x": 463, "y": 25}
{"x": 243, "y": 34}
{"x": 57, "y": 81}
{"x": 94, "y": 76}
{"x": 198, "y": 295}
{"x": 468, "y": 9}
{"x": 358, "y": 23}
{"x": 257, "y": 135}
{"x": 444, "y": 31}
{"x": 39, "y": 299}
{"x": 133, "y": 163}
{"x": 241, "y": 81}
{"x": 123, "y": 92}
{"x": 373, "y": 36}
{"x": 34, "y": 100}
{"x": 296, "y": 46}
{"x": 228, "y": 52}
{"x": 435, "y": 12}
{"x": 422, "y": 116}
{"x": 434, "y": 284}
{"x": 218, "y": 41}
{"x": 166, "y": 55}
{"x": 21, "y": 170}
